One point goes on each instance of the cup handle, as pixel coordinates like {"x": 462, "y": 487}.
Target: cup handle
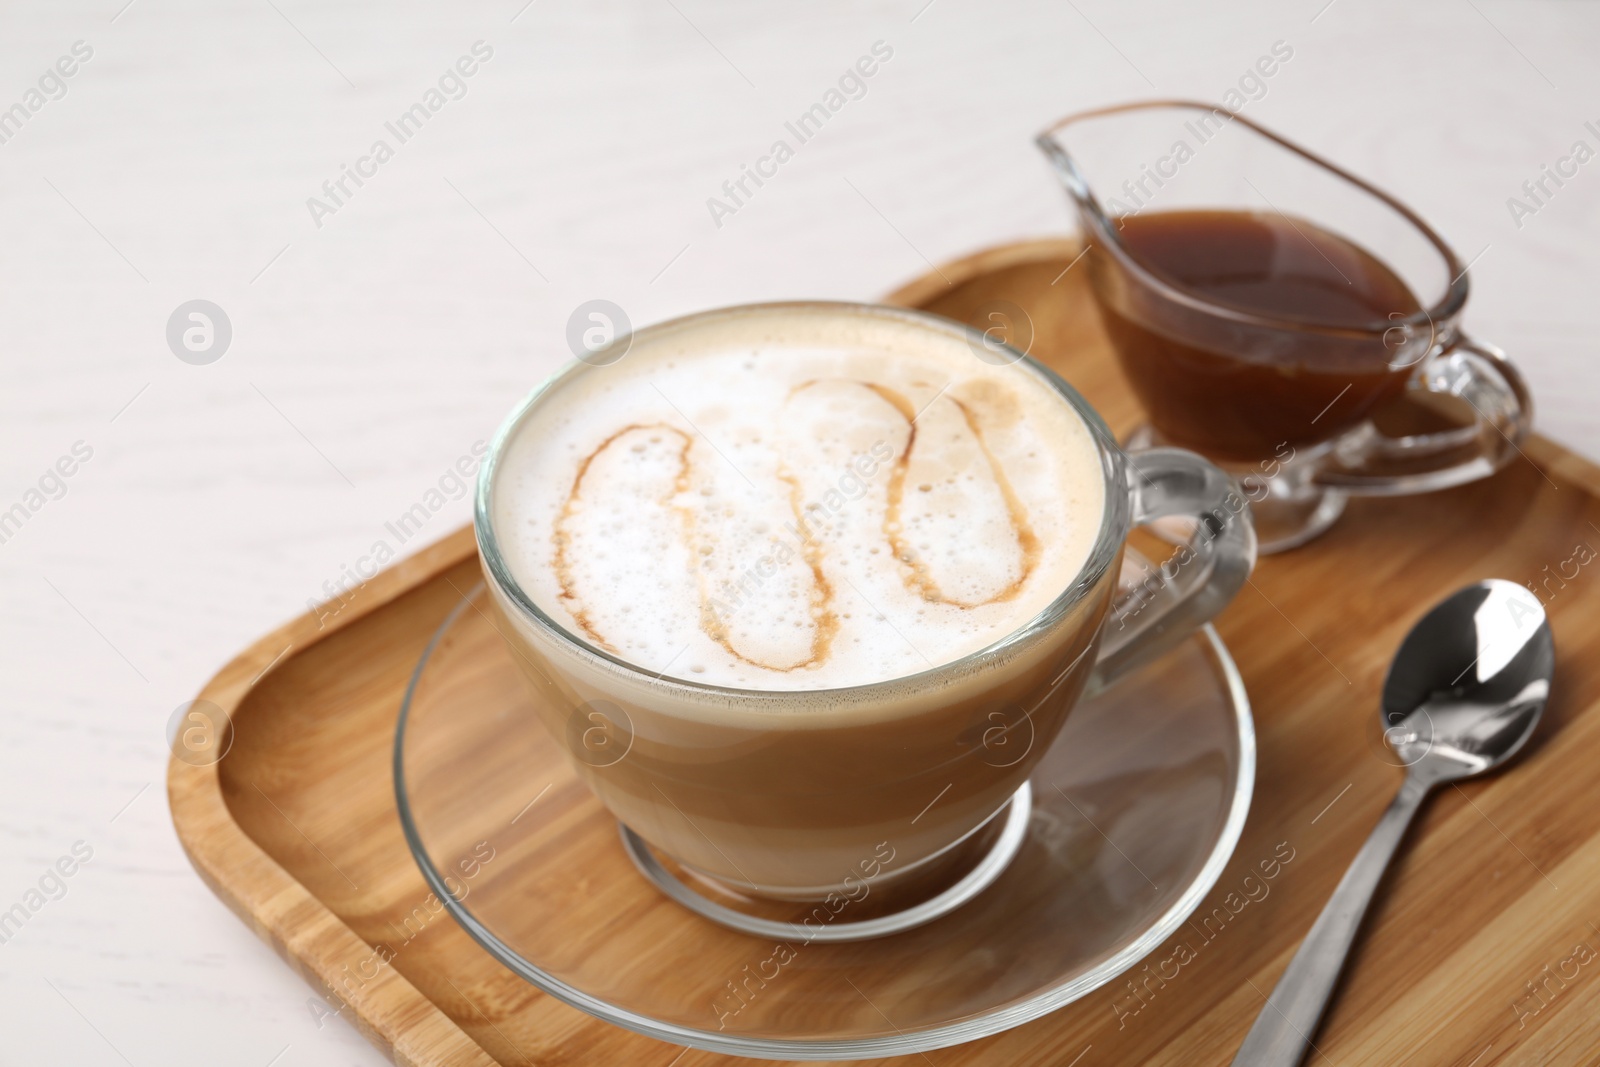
{"x": 1196, "y": 581}
{"x": 1369, "y": 463}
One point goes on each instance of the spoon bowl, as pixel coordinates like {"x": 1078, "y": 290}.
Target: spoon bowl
{"x": 1469, "y": 683}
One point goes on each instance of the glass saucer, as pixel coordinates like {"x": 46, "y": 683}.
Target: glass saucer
{"x": 1136, "y": 809}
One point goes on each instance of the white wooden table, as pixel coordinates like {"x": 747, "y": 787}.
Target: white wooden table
{"x": 371, "y": 351}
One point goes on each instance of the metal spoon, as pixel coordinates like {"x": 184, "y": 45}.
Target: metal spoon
{"x": 1463, "y": 695}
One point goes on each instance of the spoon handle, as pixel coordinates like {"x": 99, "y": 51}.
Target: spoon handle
{"x": 1287, "y": 1024}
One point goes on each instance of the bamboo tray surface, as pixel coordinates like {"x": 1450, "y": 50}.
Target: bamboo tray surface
{"x": 1483, "y": 947}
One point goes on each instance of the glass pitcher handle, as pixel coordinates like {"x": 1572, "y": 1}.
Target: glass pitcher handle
{"x": 1367, "y": 462}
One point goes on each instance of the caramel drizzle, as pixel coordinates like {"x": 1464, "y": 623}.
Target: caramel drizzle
{"x": 826, "y": 622}
{"x": 563, "y": 569}
{"x": 916, "y": 575}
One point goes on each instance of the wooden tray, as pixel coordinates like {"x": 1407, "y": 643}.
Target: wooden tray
{"x": 1483, "y": 948}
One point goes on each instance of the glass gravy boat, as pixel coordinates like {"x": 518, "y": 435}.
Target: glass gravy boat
{"x": 1305, "y": 411}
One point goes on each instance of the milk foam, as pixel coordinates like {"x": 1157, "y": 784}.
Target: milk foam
{"x": 783, "y": 500}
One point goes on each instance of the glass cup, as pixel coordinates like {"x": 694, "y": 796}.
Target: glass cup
{"x": 1303, "y": 412}
{"x": 828, "y": 794}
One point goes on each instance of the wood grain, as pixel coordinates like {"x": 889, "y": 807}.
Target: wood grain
{"x": 1472, "y": 949}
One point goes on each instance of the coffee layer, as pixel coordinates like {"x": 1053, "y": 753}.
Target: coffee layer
{"x": 784, "y": 501}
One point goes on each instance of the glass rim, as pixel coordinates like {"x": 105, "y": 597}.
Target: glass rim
{"x": 1444, "y": 309}
{"x": 1115, "y": 519}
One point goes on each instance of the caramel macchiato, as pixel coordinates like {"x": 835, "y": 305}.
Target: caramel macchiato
{"x": 807, "y": 590}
